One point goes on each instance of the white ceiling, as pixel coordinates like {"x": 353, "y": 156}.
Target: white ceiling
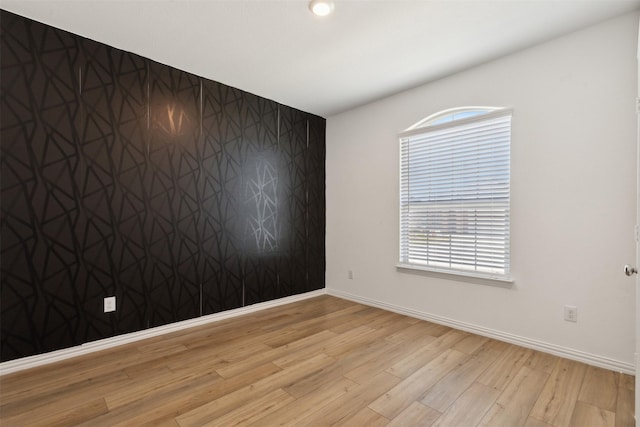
{"x": 279, "y": 50}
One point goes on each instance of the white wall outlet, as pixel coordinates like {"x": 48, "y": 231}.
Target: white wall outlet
{"x": 350, "y": 274}
{"x": 570, "y": 313}
{"x": 109, "y": 304}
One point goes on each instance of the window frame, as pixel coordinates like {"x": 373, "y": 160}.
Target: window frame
{"x": 432, "y": 124}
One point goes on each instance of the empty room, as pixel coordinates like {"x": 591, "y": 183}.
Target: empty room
{"x": 319, "y": 212}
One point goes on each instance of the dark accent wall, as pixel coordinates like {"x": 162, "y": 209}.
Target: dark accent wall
{"x": 121, "y": 176}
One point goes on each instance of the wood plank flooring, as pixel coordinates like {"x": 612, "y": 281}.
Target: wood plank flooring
{"x": 322, "y": 361}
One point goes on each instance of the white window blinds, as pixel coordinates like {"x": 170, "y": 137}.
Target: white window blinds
{"x": 454, "y": 195}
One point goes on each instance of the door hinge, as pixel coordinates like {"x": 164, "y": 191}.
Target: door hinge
{"x": 637, "y": 105}
{"x": 637, "y": 233}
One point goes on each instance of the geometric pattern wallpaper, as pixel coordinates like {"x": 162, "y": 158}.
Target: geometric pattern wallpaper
{"x": 121, "y": 176}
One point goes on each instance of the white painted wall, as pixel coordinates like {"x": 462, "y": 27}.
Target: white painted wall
{"x": 573, "y": 193}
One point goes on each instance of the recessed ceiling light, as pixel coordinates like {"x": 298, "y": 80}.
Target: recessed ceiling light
{"x": 321, "y": 7}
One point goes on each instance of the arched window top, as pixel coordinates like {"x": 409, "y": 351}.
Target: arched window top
{"x": 451, "y": 115}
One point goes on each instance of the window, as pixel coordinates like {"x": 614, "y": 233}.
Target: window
{"x": 454, "y": 192}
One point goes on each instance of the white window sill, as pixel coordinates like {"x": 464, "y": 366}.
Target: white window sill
{"x": 479, "y": 278}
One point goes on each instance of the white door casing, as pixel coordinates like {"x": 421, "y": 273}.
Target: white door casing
{"x": 637, "y": 237}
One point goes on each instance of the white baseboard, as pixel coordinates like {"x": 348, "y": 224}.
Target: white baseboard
{"x": 55, "y": 356}
{"x": 568, "y": 353}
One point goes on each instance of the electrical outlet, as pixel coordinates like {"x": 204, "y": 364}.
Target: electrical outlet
{"x": 109, "y": 304}
{"x": 350, "y": 274}
{"x": 570, "y": 313}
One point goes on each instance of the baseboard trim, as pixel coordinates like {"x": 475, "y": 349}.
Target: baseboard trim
{"x": 67, "y": 353}
{"x": 16, "y": 365}
{"x": 568, "y": 353}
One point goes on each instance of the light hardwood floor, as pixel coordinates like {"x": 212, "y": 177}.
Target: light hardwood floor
{"x": 322, "y": 361}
